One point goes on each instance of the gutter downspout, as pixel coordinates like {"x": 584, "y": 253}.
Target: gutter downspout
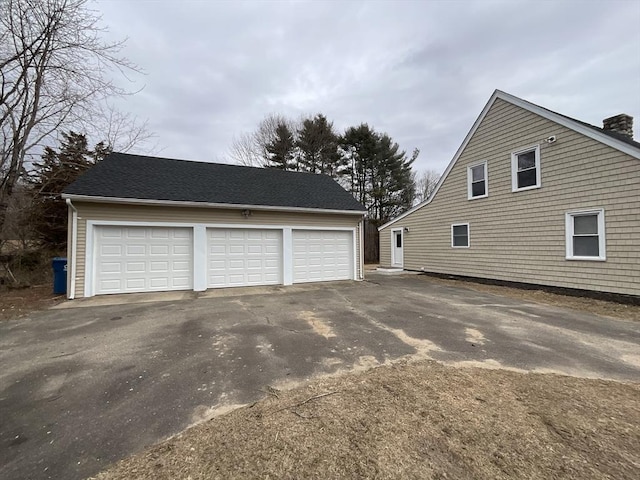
{"x": 361, "y": 246}
{"x": 74, "y": 243}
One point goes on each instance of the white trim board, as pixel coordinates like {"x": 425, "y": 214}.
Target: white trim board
{"x": 199, "y": 245}
{"x": 393, "y": 246}
{"x": 544, "y": 113}
{"x": 176, "y": 203}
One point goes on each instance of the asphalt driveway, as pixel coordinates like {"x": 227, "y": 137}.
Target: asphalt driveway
{"x": 83, "y": 387}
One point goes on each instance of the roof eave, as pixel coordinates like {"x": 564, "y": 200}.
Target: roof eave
{"x": 549, "y": 115}
{"x": 444, "y": 175}
{"x": 571, "y": 124}
{"x": 181, "y": 203}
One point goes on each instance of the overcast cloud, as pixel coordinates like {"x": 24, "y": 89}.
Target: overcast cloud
{"x": 419, "y": 70}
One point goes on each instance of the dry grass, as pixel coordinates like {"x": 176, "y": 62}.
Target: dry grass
{"x": 420, "y": 420}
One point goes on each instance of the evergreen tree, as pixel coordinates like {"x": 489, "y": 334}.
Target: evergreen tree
{"x": 281, "y": 149}
{"x": 392, "y": 186}
{"x": 378, "y": 172}
{"x": 318, "y": 147}
{"x": 358, "y": 146}
{"x": 48, "y": 212}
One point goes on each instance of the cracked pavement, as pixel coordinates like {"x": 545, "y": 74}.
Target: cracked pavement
{"x": 83, "y": 387}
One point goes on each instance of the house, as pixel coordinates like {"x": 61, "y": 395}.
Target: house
{"x": 530, "y": 196}
{"x": 142, "y": 224}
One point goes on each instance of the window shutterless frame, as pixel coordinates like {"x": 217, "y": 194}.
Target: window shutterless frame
{"x": 477, "y": 181}
{"x": 585, "y": 235}
{"x": 525, "y": 169}
{"x": 460, "y": 235}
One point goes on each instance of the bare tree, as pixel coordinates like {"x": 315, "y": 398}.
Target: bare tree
{"x": 120, "y": 131}
{"x": 250, "y": 149}
{"x": 54, "y": 70}
{"x": 17, "y": 227}
{"x": 425, "y": 182}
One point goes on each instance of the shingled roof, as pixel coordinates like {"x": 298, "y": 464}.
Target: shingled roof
{"x": 136, "y": 177}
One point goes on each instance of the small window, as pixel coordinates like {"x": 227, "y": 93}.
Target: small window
{"x": 460, "y": 235}
{"x": 399, "y": 240}
{"x": 525, "y": 169}
{"x": 477, "y": 181}
{"x": 585, "y": 235}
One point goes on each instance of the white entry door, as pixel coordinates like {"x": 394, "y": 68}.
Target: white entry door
{"x": 396, "y": 248}
{"x": 143, "y": 259}
{"x": 322, "y": 255}
{"x": 241, "y": 257}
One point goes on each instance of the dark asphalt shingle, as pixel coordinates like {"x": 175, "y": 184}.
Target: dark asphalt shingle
{"x": 122, "y": 175}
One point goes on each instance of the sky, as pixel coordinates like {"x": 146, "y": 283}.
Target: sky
{"x": 420, "y": 71}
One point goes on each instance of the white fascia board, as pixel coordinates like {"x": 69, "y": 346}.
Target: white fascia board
{"x": 474, "y": 127}
{"x": 549, "y": 115}
{"x": 571, "y": 124}
{"x": 175, "y": 203}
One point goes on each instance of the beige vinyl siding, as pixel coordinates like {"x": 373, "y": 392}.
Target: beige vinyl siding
{"x": 143, "y": 213}
{"x": 520, "y": 236}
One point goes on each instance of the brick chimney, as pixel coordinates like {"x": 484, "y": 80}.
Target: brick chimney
{"x": 622, "y": 124}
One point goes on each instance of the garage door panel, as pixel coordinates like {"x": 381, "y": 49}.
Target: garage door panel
{"x": 242, "y": 257}
{"x": 158, "y": 232}
{"x": 132, "y": 250}
{"x": 181, "y": 266}
{"x": 112, "y": 232}
{"x": 135, "y": 283}
{"x": 110, "y": 284}
{"x": 254, "y": 264}
{"x": 160, "y": 266}
{"x": 135, "y": 267}
{"x": 106, "y": 250}
{"x": 157, "y": 283}
{"x": 236, "y": 264}
{"x": 111, "y": 267}
{"x": 322, "y": 255}
{"x": 182, "y": 283}
{"x": 159, "y": 250}
{"x": 182, "y": 249}
{"x": 140, "y": 259}
{"x": 135, "y": 233}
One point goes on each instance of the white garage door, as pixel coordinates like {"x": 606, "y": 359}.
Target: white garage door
{"x": 143, "y": 259}
{"x": 241, "y": 257}
{"x": 320, "y": 255}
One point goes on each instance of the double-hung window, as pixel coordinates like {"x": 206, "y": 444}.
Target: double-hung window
{"x": 525, "y": 169}
{"x": 585, "y": 235}
{"x": 460, "y": 235}
{"x": 477, "y": 181}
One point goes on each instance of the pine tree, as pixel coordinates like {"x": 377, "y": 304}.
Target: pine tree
{"x": 378, "y": 173}
{"x": 48, "y": 212}
{"x": 318, "y": 145}
{"x": 281, "y": 149}
{"x": 358, "y": 145}
{"x": 392, "y": 187}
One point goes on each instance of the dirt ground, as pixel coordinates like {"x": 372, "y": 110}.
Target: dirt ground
{"x": 17, "y": 302}
{"x": 413, "y": 420}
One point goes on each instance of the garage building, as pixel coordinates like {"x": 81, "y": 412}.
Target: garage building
{"x": 144, "y": 224}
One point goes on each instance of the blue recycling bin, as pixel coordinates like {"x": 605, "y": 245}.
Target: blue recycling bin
{"x": 59, "y": 275}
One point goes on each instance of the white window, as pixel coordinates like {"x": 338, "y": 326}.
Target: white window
{"x": 525, "y": 169}
{"x": 585, "y": 235}
{"x": 460, "y": 235}
{"x": 477, "y": 181}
